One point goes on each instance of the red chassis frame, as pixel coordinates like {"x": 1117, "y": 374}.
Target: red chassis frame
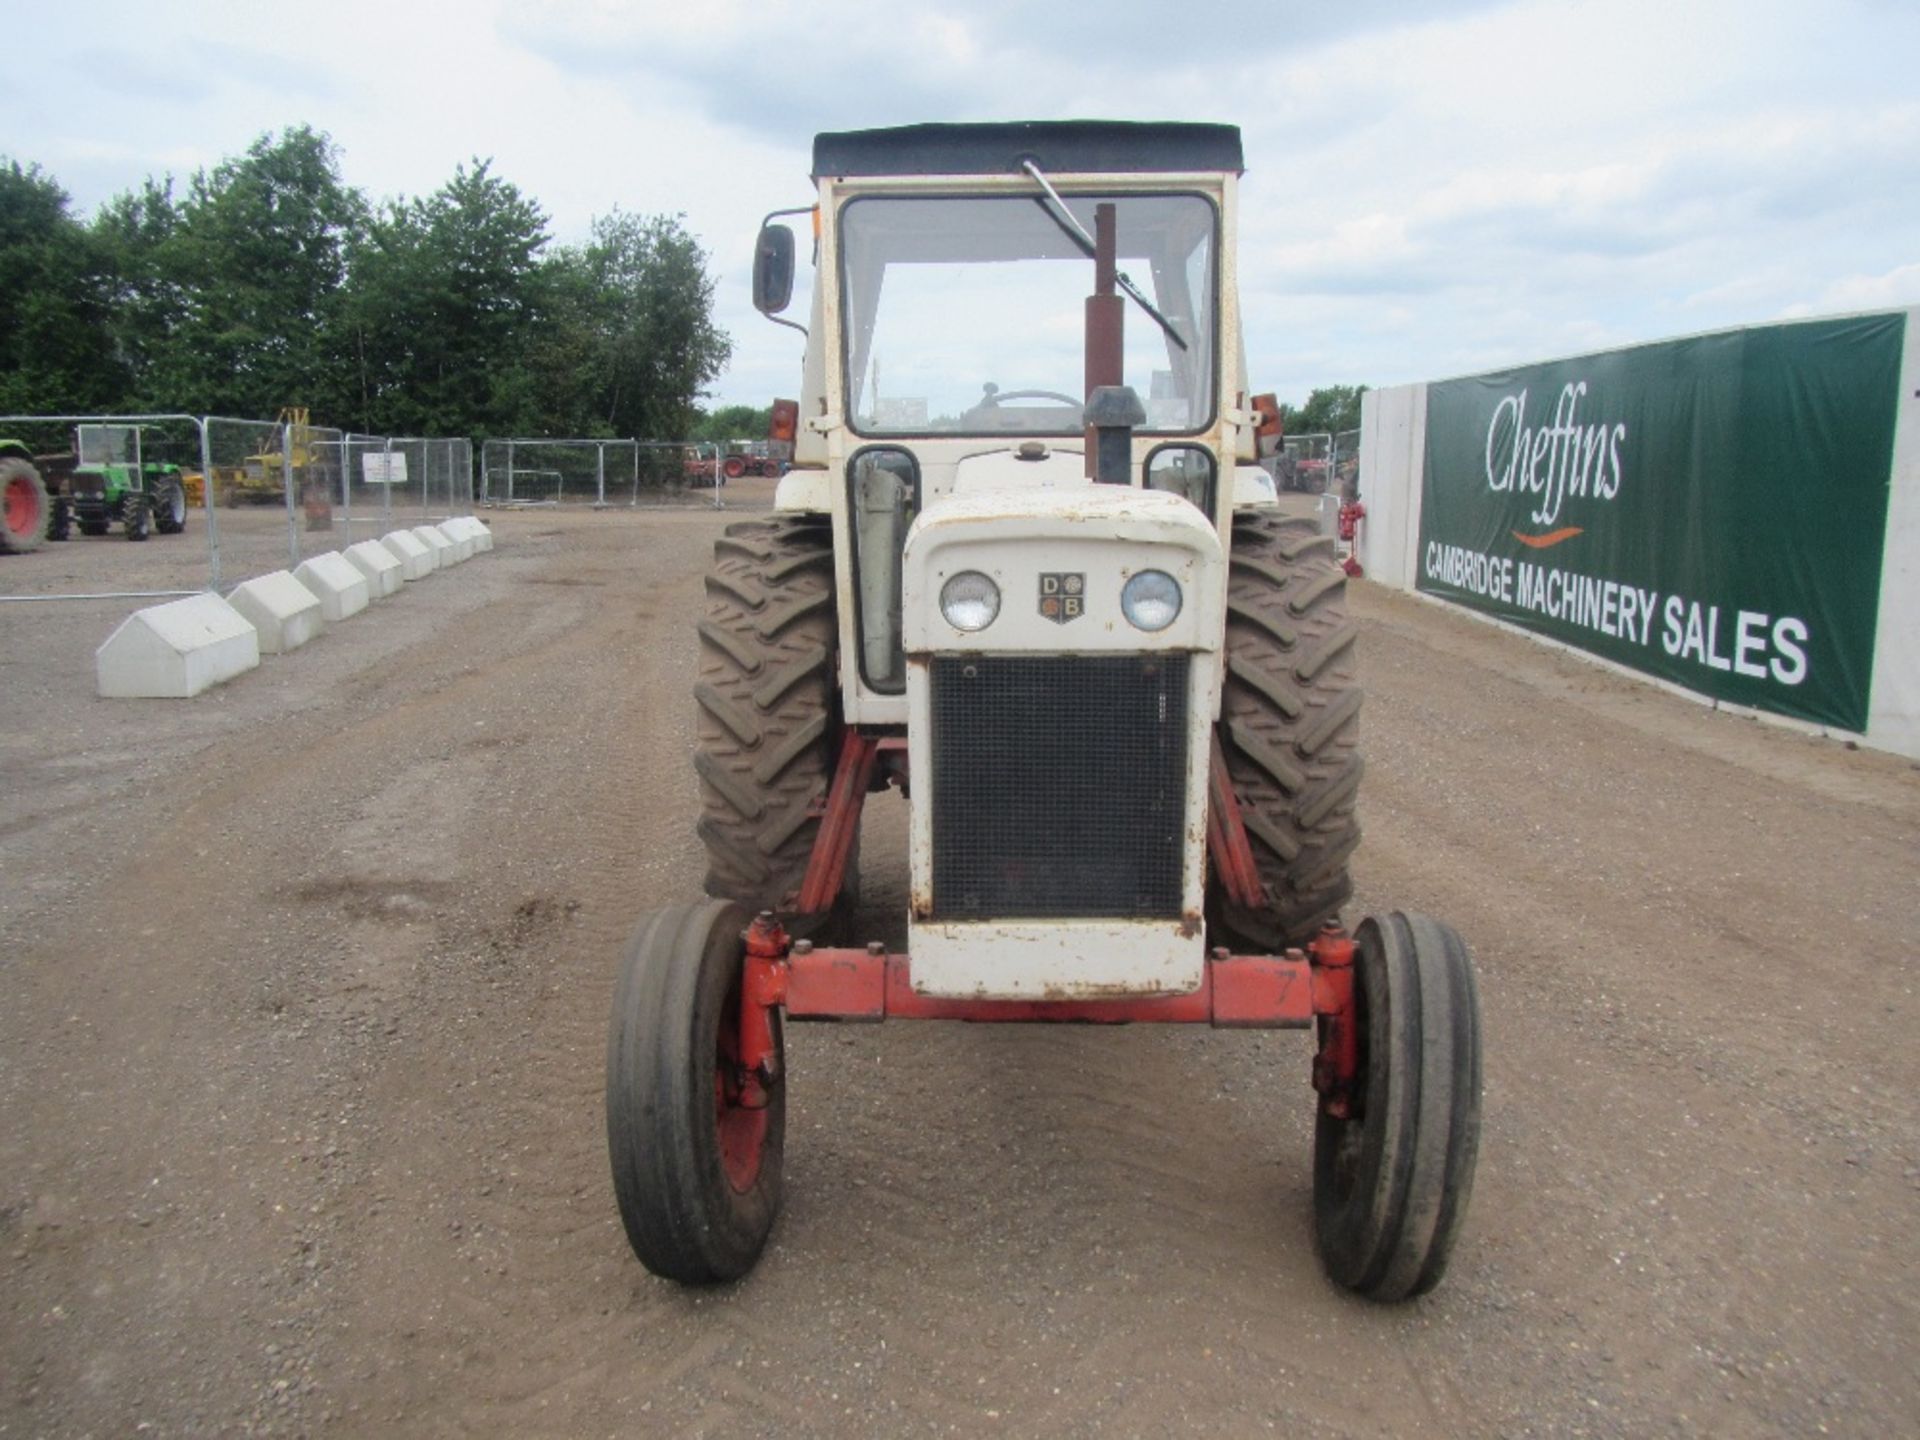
{"x": 1270, "y": 992}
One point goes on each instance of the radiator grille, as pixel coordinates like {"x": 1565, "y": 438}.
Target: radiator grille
{"x": 1058, "y": 785}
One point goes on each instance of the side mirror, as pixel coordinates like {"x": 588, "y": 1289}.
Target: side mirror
{"x": 773, "y": 269}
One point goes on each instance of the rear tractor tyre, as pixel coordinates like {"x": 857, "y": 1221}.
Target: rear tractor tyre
{"x": 170, "y": 507}
{"x": 696, "y": 1165}
{"x": 1390, "y": 1181}
{"x": 25, "y": 507}
{"x": 1289, "y": 728}
{"x": 733, "y": 467}
{"x": 135, "y": 518}
{"x": 768, "y": 720}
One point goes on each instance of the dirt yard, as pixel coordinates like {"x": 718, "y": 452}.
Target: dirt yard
{"x": 303, "y": 993}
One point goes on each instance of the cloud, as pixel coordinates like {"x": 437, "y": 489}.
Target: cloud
{"x": 1433, "y": 188}
{"x": 1898, "y": 288}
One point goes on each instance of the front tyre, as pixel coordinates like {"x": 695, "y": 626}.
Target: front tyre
{"x": 1391, "y": 1179}
{"x": 696, "y": 1163}
{"x": 135, "y": 518}
{"x": 170, "y": 507}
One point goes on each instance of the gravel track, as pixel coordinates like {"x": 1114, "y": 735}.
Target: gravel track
{"x": 303, "y": 989}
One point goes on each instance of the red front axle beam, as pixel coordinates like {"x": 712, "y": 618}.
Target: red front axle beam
{"x": 1260, "y": 992}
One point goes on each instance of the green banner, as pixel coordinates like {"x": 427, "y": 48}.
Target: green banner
{"x": 1711, "y": 511}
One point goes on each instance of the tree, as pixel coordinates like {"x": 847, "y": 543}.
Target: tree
{"x": 56, "y": 348}
{"x": 446, "y": 295}
{"x": 259, "y": 255}
{"x": 636, "y": 300}
{"x": 1333, "y": 408}
{"x": 273, "y": 283}
{"x": 732, "y": 422}
{"x": 136, "y": 232}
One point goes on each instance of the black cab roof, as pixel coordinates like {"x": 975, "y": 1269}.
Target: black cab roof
{"x": 1056, "y": 146}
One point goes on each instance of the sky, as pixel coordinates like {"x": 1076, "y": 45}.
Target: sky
{"x": 1433, "y": 189}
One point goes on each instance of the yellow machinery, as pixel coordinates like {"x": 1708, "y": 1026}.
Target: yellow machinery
{"x": 261, "y": 479}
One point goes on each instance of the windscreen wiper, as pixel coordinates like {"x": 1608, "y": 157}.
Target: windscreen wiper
{"x": 1064, "y": 218}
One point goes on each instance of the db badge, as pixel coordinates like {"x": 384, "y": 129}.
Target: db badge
{"x": 1063, "y": 597}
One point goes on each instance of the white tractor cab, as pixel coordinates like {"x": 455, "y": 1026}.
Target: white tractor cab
{"x": 1026, "y": 570}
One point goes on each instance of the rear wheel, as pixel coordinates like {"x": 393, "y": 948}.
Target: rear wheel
{"x": 768, "y": 721}
{"x": 25, "y": 508}
{"x": 1289, "y": 728}
{"x": 733, "y": 467}
{"x": 696, "y": 1149}
{"x": 1391, "y": 1179}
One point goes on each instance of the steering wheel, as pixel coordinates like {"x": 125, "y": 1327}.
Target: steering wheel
{"x": 994, "y": 397}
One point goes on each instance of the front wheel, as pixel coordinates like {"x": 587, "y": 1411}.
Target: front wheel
{"x": 170, "y": 507}
{"x": 696, "y": 1148}
{"x": 135, "y": 517}
{"x": 1391, "y": 1178}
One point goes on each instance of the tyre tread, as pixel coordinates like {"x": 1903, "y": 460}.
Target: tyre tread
{"x": 1289, "y": 728}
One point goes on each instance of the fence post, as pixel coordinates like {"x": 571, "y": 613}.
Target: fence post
{"x": 287, "y": 488}
{"x": 213, "y": 525}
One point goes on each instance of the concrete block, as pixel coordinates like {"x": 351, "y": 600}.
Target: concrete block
{"x": 284, "y": 612}
{"x": 342, "y": 589}
{"x": 473, "y": 527}
{"x": 463, "y": 543}
{"x": 376, "y": 562}
{"x": 416, "y": 560}
{"x": 441, "y": 547}
{"x": 176, "y": 650}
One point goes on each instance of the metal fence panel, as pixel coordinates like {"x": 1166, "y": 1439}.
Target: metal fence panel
{"x": 263, "y": 495}
{"x": 538, "y": 470}
{"x": 90, "y": 463}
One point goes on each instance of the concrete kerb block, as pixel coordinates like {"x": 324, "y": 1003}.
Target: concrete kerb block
{"x": 441, "y": 547}
{"x": 463, "y": 543}
{"x": 342, "y": 589}
{"x": 416, "y": 560}
{"x": 461, "y": 538}
{"x": 376, "y": 562}
{"x": 470, "y": 527}
{"x": 176, "y": 650}
{"x": 283, "y": 611}
{"x": 482, "y": 532}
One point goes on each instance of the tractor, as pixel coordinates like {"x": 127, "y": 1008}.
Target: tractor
{"x": 752, "y": 457}
{"x": 106, "y": 480}
{"x": 1037, "y": 583}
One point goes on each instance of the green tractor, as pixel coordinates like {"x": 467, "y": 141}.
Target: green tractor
{"x": 106, "y": 480}
{"x": 27, "y": 509}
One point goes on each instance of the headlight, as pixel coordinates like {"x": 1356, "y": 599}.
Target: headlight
{"x": 970, "y": 601}
{"x": 1151, "y": 600}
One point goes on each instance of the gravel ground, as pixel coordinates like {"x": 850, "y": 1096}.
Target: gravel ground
{"x": 303, "y": 988}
